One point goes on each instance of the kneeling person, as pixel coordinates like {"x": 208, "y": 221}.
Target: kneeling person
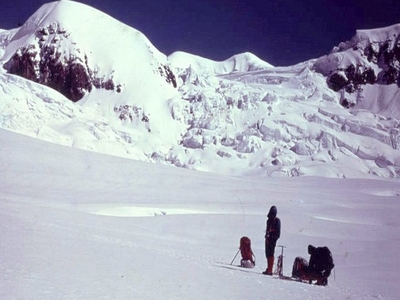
{"x": 320, "y": 264}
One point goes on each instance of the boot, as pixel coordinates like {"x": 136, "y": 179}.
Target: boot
{"x": 270, "y": 261}
{"x": 270, "y": 265}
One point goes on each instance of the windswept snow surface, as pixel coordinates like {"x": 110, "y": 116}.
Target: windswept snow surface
{"x": 80, "y": 225}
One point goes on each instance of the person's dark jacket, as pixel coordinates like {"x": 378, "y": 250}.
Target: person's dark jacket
{"x": 321, "y": 262}
{"x": 273, "y": 231}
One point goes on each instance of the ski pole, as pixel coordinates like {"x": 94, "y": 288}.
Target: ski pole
{"x": 235, "y": 256}
{"x": 280, "y": 269}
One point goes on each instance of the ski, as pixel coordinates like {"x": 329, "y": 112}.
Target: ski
{"x": 289, "y": 278}
{"x": 236, "y": 268}
{"x": 257, "y": 272}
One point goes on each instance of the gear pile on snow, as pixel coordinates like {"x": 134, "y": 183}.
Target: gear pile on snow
{"x": 248, "y": 258}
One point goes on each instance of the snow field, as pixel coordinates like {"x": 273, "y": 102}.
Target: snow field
{"x": 238, "y": 116}
{"x": 80, "y": 225}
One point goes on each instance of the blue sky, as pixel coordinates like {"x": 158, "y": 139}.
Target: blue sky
{"x": 281, "y": 32}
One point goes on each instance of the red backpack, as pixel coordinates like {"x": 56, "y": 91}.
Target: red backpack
{"x": 245, "y": 249}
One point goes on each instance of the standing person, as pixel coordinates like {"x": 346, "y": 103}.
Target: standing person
{"x": 272, "y": 234}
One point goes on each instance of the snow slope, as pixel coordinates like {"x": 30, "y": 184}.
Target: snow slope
{"x": 74, "y": 31}
{"x": 80, "y": 225}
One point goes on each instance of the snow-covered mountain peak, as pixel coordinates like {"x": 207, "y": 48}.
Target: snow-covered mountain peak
{"x": 241, "y": 115}
{"x": 366, "y": 37}
{"x": 360, "y": 48}
{"x": 64, "y": 35}
{"x": 247, "y": 61}
{"x": 79, "y": 19}
{"x": 242, "y": 62}
{"x": 364, "y": 67}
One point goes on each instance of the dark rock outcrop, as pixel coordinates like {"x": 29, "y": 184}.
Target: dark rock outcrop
{"x": 385, "y": 57}
{"x": 47, "y": 63}
{"x": 352, "y": 78}
{"x": 169, "y": 76}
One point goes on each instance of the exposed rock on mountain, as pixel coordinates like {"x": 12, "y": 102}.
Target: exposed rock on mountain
{"x": 43, "y": 61}
{"x": 370, "y": 57}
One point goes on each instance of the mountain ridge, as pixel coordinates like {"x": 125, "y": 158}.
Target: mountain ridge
{"x": 238, "y": 116}
{"x": 371, "y": 57}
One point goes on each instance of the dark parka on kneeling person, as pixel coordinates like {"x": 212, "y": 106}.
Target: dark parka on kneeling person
{"x": 317, "y": 269}
{"x": 320, "y": 264}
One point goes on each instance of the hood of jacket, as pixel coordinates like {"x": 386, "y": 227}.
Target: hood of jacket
{"x": 272, "y": 212}
{"x": 311, "y": 249}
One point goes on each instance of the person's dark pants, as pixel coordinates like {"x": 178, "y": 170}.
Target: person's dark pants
{"x": 269, "y": 254}
{"x": 269, "y": 247}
